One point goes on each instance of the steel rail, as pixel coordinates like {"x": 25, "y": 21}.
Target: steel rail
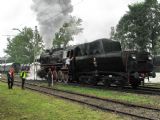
{"x": 41, "y": 89}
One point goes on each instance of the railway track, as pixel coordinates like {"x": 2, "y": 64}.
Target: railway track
{"x": 152, "y": 88}
{"x": 139, "y": 90}
{"x": 143, "y": 90}
{"x": 137, "y": 112}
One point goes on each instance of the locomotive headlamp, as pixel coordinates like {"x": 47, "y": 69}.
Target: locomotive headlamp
{"x": 133, "y": 56}
{"x": 95, "y": 62}
{"x": 149, "y": 58}
{"x": 110, "y": 76}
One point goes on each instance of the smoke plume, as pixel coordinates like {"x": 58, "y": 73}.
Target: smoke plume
{"x": 51, "y": 14}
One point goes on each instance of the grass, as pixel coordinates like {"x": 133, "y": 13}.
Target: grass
{"x": 134, "y": 98}
{"x": 122, "y": 96}
{"x": 126, "y": 97}
{"x": 20, "y": 104}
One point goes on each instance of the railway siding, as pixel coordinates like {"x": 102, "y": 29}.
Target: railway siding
{"x": 103, "y": 104}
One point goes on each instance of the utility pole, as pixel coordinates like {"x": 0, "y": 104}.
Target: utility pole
{"x": 35, "y": 51}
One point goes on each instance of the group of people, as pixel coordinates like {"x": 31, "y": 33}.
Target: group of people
{"x": 10, "y": 77}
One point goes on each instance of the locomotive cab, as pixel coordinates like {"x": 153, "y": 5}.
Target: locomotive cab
{"x": 142, "y": 67}
{"x": 145, "y": 65}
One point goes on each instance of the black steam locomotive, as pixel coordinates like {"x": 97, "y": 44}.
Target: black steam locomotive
{"x": 100, "y": 61}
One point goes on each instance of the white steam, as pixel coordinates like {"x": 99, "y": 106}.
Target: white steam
{"x": 51, "y": 14}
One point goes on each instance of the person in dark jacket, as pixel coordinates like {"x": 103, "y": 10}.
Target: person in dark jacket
{"x": 10, "y": 78}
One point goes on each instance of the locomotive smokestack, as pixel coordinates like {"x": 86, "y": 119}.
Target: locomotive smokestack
{"x": 51, "y": 14}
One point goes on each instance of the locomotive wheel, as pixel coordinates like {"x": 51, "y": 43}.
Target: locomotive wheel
{"x": 107, "y": 83}
{"x": 122, "y": 84}
{"x": 55, "y": 75}
{"x": 135, "y": 84}
{"x": 60, "y": 76}
{"x": 93, "y": 80}
{"x": 65, "y": 78}
{"x": 81, "y": 79}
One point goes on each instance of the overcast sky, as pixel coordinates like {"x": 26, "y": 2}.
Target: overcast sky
{"x": 98, "y": 16}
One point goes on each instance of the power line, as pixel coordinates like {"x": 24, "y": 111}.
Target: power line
{"x": 8, "y": 35}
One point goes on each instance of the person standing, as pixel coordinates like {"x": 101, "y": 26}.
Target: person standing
{"x": 54, "y": 74}
{"x": 23, "y": 76}
{"x": 67, "y": 62}
{"x": 49, "y": 77}
{"x": 10, "y": 77}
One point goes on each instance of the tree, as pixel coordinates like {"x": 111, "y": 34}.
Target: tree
{"x": 22, "y": 47}
{"x": 66, "y": 32}
{"x": 139, "y": 28}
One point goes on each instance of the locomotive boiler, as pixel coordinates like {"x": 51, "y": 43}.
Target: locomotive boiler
{"x": 103, "y": 61}
{"x": 50, "y": 58}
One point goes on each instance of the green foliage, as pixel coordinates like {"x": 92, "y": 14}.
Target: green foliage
{"x": 23, "y": 46}
{"x": 66, "y": 32}
{"x": 139, "y": 28}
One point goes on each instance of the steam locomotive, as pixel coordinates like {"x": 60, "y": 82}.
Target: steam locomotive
{"x": 100, "y": 61}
